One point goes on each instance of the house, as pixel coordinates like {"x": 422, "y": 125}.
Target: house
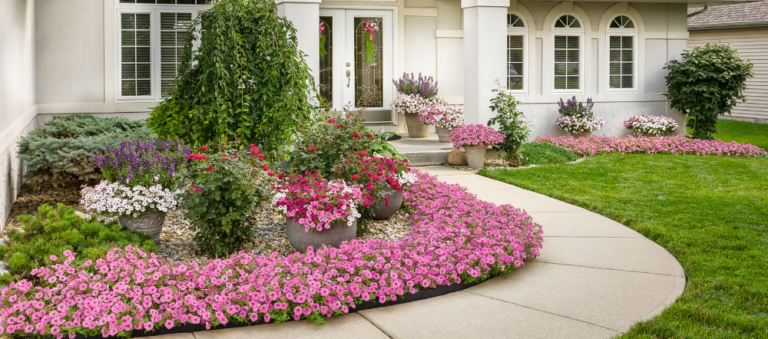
{"x": 744, "y": 27}
{"x": 117, "y": 57}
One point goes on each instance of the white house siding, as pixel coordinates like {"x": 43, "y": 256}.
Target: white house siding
{"x": 751, "y": 44}
{"x": 17, "y": 93}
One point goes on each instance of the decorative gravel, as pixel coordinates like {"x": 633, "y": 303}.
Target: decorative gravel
{"x": 499, "y": 163}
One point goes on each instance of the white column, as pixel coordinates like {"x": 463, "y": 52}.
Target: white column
{"x": 485, "y": 30}
{"x": 305, "y": 16}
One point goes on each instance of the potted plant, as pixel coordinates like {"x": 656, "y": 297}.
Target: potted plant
{"x": 475, "y": 139}
{"x": 141, "y": 184}
{"x": 444, "y": 118}
{"x": 577, "y": 118}
{"x": 413, "y": 95}
{"x": 651, "y": 125}
{"x": 318, "y": 211}
{"x": 511, "y": 123}
{"x": 381, "y": 180}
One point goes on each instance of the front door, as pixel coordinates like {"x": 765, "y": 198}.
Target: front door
{"x": 356, "y": 61}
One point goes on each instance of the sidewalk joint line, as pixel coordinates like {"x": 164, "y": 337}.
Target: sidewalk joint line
{"x": 374, "y": 325}
{"x": 609, "y": 269}
{"x": 543, "y": 311}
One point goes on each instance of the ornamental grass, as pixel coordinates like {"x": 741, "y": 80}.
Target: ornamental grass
{"x": 653, "y": 145}
{"x": 456, "y": 238}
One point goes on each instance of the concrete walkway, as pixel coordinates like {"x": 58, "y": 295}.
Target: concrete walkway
{"x": 595, "y": 278}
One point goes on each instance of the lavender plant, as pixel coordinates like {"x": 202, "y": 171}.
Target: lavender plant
{"x": 425, "y": 87}
{"x": 142, "y": 163}
{"x": 577, "y": 117}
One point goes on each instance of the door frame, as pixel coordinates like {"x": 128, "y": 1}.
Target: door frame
{"x": 339, "y": 14}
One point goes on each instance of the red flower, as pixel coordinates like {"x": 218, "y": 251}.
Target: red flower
{"x": 234, "y": 155}
{"x": 355, "y": 135}
{"x": 254, "y": 150}
{"x": 197, "y": 189}
{"x": 210, "y": 168}
{"x": 354, "y": 177}
{"x": 338, "y": 126}
{"x": 262, "y": 156}
{"x": 281, "y": 176}
{"x": 364, "y": 153}
{"x": 330, "y": 121}
{"x": 265, "y": 167}
{"x": 204, "y": 148}
{"x": 271, "y": 174}
{"x": 370, "y": 136}
{"x": 312, "y": 148}
{"x": 251, "y": 145}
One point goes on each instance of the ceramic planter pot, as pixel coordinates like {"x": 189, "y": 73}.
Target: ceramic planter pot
{"x": 415, "y": 128}
{"x": 475, "y": 155}
{"x": 382, "y": 211}
{"x": 150, "y": 222}
{"x": 333, "y": 237}
{"x": 443, "y": 134}
{"x": 582, "y": 134}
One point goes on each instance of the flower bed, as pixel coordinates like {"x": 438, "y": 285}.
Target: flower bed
{"x": 457, "y": 238}
{"x": 653, "y": 145}
{"x": 651, "y": 124}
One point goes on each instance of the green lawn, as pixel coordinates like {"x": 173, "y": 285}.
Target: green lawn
{"x": 743, "y": 132}
{"x": 710, "y": 212}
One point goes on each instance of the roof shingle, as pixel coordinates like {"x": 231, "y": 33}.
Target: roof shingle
{"x": 750, "y": 12}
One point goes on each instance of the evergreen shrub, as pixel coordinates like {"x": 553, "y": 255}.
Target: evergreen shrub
{"x": 63, "y": 151}
{"x": 52, "y": 231}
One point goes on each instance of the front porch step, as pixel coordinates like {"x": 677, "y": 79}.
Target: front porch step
{"x": 427, "y": 151}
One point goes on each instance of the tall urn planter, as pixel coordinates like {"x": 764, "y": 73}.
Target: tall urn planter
{"x": 475, "y": 155}
{"x": 582, "y": 134}
{"x": 149, "y": 222}
{"x": 443, "y": 134}
{"x": 416, "y": 129}
{"x": 332, "y": 237}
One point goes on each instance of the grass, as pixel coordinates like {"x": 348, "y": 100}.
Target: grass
{"x": 742, "y": 132}
{"x": 544, "y": 153}
{"x": 710, "y": 212}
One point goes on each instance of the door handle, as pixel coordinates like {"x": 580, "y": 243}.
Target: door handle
{"x": 348, "y": 78}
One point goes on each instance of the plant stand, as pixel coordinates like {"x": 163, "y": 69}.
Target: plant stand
{"x": 415, "y": 128}
{"x": 443, "y": 134}
{"x": 333, "y": 237}
{"x": 382, "y": 211}
{"x": 475, "y": 155}
{"x": 150, "y": 222}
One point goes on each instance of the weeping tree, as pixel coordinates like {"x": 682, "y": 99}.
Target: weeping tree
{"x": 246, "y": 80}
{"x": 707, "y": 83}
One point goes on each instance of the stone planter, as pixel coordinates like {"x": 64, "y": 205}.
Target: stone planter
{"x": 150, "y": 222}
{"x": 415, "y": 128}
{"x": 382, "y": 211}
{"x": 443, "y": 134}
{"x": 475, "y": 155}
{"x": 582, "y": 134}
{"x": 333, "y": 237}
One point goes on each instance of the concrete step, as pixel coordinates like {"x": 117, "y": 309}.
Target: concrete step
{"x": 427, "y": 151}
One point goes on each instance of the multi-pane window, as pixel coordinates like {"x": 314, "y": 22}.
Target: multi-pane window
{"x": 567, "y": 62}
{"x": 515, "y": 52}
{"x": 136, "y": 59}
{"x": 173, "y": 34}
{"x": 621, "y": 62}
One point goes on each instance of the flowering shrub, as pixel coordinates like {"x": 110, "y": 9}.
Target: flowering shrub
{"x": 121, "y": 200}
{"x": 328, "y": 140}
{"x": 376, "y": 176}
{"x": 576, "y": 117}
{"x": 456, "y": 238}
{"x": 223, "y": 188}
{"x": 512, "y": 124}
{"x": 653, "y": 145}
{"x": 474, "y": 135}
{"x": 413, "y": 103}
{"x": 317, "y": 203}
{"x": 448, "y": 117}
{"x": 425, "y": 87}
{"x": 651, "y": 124}
{"x": 140, "y": 163}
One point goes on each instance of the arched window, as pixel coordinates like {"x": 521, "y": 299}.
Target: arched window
{"x": 622, "y": 54}
{"x": 516, "y": 52}
{"x": 568, "y": 36}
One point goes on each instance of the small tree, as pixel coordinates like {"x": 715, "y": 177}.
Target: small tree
{"x": 247, "y": 80}
{"x": 708, "y": 82}
{"x": 512, "y": 125}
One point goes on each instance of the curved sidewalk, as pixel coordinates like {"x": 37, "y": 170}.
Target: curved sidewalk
{"x": 595, "y": 278}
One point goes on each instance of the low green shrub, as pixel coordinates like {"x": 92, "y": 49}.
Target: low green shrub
{"x": 544, "y": 153}
{"x": 63, "y": 150}
{"x": 52, "y": 231}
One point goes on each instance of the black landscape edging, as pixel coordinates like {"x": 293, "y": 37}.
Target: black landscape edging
{"x": 420, "y": 295}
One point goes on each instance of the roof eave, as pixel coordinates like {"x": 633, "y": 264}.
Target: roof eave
{"x": 728, "y": 25}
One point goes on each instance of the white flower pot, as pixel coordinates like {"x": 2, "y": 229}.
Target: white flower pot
{"x": 149, "y": 222}
{"x": 416, "y": 129}
{"x": 443, "y": 134}
{"x": 582, "y": 134}
{"x": 333, "y": 237}
{"x": 475, "y": 155}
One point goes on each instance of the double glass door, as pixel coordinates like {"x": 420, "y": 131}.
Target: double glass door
{"x": 356, "y": 61}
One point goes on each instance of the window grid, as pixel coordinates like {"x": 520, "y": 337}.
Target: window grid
{"x": 515, "y": 62}
{"x": 136, "y": 60}
{"x": 173, "y": 33}
{"x": 567, "y": 62}
{"x": 514, "y": 21}
{"x": 621, "y": 62}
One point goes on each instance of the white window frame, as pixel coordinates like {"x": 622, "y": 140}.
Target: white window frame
{"x": 154, "y": 50}
{"x": 609, "y": 32}
{"x": 524, "y": 32}
{"x": 579, "y": 32}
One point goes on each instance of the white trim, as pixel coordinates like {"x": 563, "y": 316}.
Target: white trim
{"x": 631, "y": 32}
{"x": 578, "y": 32}
{"x": 13, "y": 131}
{"x": 449, "y": 33}
{"x": 517, "y": 31}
